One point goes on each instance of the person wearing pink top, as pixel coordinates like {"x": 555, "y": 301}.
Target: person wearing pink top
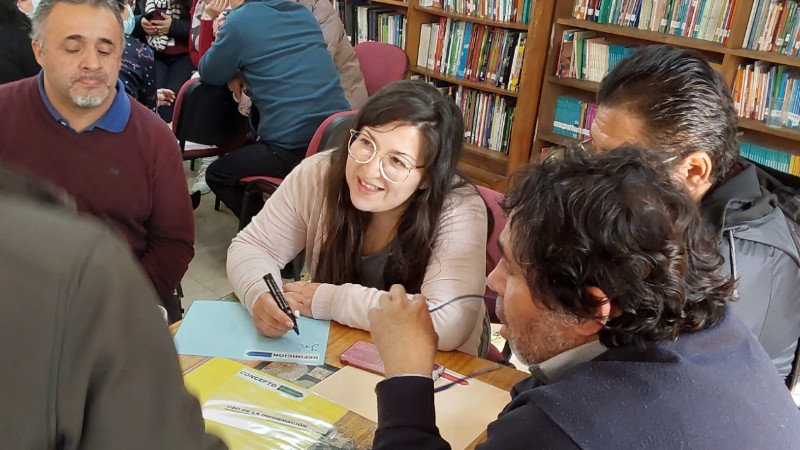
{"x": 386, "y": 207}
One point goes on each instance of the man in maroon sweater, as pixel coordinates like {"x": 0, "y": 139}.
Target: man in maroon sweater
{"x": 74, "y": 125}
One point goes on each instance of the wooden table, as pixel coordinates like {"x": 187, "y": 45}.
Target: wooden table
{"x": 341, "y": 337}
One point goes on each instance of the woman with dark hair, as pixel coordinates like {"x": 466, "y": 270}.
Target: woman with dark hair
{"x": 16, "y": 55}
{"x": 164, "y": 25}
{"x": 386, "y": 207}
{"x": 138, "y": 73}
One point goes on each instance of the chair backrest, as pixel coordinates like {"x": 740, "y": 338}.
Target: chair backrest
{"x": 497, "y": 223}
{"x": 381, "y": 64}
{"x": 176, "y": 110}
{"x": 331, "y": 132}
{"x": 208, "y": 115}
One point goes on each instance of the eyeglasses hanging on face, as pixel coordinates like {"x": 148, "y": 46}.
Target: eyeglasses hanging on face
{"x": 587, "y": 145}
{"x": 395, "y": 167}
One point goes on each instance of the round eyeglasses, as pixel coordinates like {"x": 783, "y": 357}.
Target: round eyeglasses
{"x": 395, "y": 167}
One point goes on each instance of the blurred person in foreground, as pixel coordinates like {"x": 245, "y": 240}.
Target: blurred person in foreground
{"x": 87, "y": 360}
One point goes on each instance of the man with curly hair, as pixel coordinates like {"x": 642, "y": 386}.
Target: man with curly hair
{"x": 610, "y": 290}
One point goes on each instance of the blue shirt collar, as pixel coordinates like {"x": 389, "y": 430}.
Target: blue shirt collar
{"x": 114, "y": 120}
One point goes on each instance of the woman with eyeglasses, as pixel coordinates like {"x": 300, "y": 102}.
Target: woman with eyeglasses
{"x": 386, "y": 207}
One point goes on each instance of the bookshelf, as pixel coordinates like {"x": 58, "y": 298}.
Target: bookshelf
{"x": 363, "y": 26}
{"x": 393, "y": 3}
{"x": 486, "y": 166}
{"x": 726, "y": 57}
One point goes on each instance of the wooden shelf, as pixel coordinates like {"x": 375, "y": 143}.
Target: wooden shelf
{"x": 747, "y": 124}
{"x": 462, "y": 82}
{"x": 776, "y": 58}
{"x": 584, "y": 85}
{"x": 555, "y": 138}
{"x": 783, "y": 132}
{"x": 391, "y": 2}
{"x": 489, "y": 167}
{"x": 724, "y": 58}
{"x": 488, "y": 159}
{"x": 467, "y": 18}
{"x": 480, "y": 175}
{"x": 645, "y": 35}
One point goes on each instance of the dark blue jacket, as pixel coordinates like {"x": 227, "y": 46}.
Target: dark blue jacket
{"x": 279, "y": 48}
{"x": 138, "y": 73}
{"x": 715, "y": 389}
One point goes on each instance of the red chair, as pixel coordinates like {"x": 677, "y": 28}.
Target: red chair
{"x": 381, "y": 64}
{"x": 497, "y": 221}
{"x": 207, "y": 115}
{"x": 331, "y": 132}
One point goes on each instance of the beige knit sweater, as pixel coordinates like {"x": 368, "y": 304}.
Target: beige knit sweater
{"x": 344, "y": 57}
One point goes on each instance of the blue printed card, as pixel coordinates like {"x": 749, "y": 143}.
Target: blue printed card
{"x": 226, "y": 329}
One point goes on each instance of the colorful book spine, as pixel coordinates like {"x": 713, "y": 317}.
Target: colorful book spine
{"x": 517, "y": 11}
{"x": 701, "y": 19}
{"x": 767, "y": 93}
{"x": 772, "y": 158}
{"x": 474, "y": 52}
{"x": 773, "y": 26}
{"x": 585, "y": 57}
{"x": 573, "y": 118}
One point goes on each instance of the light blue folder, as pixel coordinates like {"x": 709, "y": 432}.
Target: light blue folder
{"x": 226, "y": 329}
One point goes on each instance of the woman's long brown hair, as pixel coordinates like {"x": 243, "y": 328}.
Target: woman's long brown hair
{"x": 439, "y": 120}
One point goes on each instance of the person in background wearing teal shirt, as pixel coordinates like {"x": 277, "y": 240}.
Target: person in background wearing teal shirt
{"x": 275, "y": 50}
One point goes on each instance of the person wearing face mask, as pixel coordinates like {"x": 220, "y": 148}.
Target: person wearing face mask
{"x": 27, "y": 7}
{"x": 16, "y": 56}
{"x": 138, "y": 72}
{"x": 164, "y": 26}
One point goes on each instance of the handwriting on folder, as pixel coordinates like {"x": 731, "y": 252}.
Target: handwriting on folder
{"x": 459, "y": 420}
{"x": 226, "y": 329}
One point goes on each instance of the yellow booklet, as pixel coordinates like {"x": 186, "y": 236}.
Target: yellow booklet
{"x": 247, "y": 409}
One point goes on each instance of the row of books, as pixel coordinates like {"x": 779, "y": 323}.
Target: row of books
{"x": 774, "y": 26}
{"x": 586, "y": 57}
{"x": 471, "y": 51}
{"x": 487, "y": 118}
{"x": 769, "y": 93}
{"x": 573, "y": 118}
{"x": 347, "y": 14}
{"x": 700, "y": 19}
{"x": 775, "y": 159}
{"x": 372, "y": 23}
{"x": 518, "y": 11}
{"x": 375, "y": 23}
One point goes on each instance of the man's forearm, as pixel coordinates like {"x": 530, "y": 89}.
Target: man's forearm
{"x": 406, "y": 415}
